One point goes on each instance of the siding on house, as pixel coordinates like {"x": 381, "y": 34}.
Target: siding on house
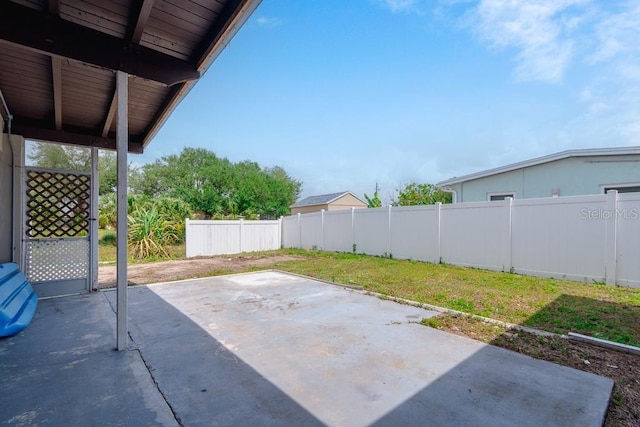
{"x": 328, "y": 202}
{"x": 308, "y": 209}
{"x": 572, "y": 176}
{"x": 347, "y": 201}
{"x": 6, "y": 194}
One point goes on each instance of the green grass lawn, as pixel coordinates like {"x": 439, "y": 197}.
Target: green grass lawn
{"x": 553, "y": 305}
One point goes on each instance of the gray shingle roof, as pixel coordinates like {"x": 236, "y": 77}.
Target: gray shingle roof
{"x": 321, "y": 199}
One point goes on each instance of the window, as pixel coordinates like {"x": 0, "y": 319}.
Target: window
{"x": 500, "y": 196}
{"x": 622, "y": 188}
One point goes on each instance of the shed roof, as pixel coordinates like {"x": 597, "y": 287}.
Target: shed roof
{"x": 589, "y": 152}
{"x": 58, "y": 60}
{"x": 323, "y": 199}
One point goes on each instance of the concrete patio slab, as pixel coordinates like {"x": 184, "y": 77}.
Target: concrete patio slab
{"x": 335, "y": 356}
{"x": 274, "y": 349}
{"x": 63, "y": 370}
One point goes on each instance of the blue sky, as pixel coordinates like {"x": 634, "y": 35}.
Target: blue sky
{"x": 347, "y": 93}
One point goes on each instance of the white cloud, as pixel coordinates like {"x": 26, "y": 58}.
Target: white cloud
{"x": 397, "y": 6}
{"x": 618, "y": 35}
{"x": 269, "y": 22}
{"x": 540, "y": 31}
{"x": 613, "y": 99}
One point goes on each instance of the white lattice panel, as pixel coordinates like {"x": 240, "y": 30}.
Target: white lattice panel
{"x": 57, "y": 259}
{"x": 57, "y": 203}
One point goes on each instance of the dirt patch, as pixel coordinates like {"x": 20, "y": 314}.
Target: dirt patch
{"x": 166, "y": 271}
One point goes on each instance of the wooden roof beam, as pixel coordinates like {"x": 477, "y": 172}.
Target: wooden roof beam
{"x": 217, "y": 30}
{"x": 110, "y": 115}
{"x": 54, "y": 7}
{"x": 82, "y": 137}
{"x": 56, "y": 73}
{"x": 54, "y": 36}
{"x": 141, "y": 18}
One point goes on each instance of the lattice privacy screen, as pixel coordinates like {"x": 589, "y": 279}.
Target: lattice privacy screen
{"x": 57, "y": 259}
{"x": 57, "y": 204}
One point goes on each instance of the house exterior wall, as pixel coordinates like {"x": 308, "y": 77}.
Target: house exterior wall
{"x": 572, "y": 176}
{"x": 346, "y": 202}
{"x": 308, "y": 209}
{"x": 6, "y": 194}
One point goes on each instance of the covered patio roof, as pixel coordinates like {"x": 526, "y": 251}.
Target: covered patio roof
{"x": 58, "y": 62}
{"x": 103, "y": 74}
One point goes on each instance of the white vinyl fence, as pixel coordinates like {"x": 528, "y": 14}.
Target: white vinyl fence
{"x": 205, "y": 238}
{"x": 584, "y": 238}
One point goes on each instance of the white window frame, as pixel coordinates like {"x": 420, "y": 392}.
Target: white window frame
{"x": 603, "y": 187}
{"x": 506, "y": 194}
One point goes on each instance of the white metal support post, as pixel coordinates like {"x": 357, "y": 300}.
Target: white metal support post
{"x": 122, "y": 147}
{"x": 93, "y": 224}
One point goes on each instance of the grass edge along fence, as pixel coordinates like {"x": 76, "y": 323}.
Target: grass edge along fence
{"x": 582, "y": 238}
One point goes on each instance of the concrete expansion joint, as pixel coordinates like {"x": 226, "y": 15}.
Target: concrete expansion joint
{"x": 150, "y": 370}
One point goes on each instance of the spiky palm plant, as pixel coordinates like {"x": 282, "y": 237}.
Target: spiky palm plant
{"x": 150, "y": 231}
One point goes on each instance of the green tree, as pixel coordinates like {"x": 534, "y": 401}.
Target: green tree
{"x": 421, "y": 194}
{"x": 374, "y": 202}
{"x": 59, "y": 156}
{"x": 107, "y": 172}
{"x": 218, "y": 187}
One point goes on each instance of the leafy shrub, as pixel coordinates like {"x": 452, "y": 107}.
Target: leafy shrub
{"x": 109, "y": 239}
{"x": 153, "y": 222}
{"x": 107, "y": 212}
{"x": 150, "y": 231}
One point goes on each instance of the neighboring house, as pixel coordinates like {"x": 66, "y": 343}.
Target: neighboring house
{"x": 328, "y": 202}
{"x": 568, "y": 173}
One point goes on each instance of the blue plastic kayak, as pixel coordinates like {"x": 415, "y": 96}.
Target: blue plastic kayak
{"x": 17, "y": 300}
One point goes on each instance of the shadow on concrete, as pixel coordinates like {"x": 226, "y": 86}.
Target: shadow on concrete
{"x": 204, "y": 382}
{"x": 569, "y": 398}
{"x": 63, "y": 370}
{"x": 496, "y": 387}
{"x": 460, "y": 381}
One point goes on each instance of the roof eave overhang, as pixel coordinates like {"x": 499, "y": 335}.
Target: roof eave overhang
{"x": 50, "y": 35}
{"x": 242, "y": 12}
